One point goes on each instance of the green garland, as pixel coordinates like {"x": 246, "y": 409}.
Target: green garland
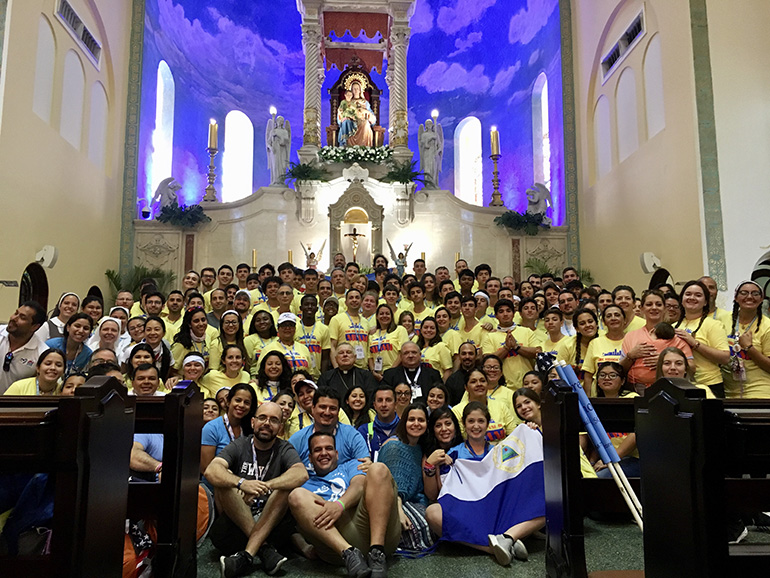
{"x": 529, "y": 223}
{"x": 377, "y": 155}
{"x": 183, "y": 216}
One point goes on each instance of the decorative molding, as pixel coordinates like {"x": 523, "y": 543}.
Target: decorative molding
{"x": 707, "y": 144}
{"x": 158, "y": 249}
{"x": 356, "y": 195}
{"x": 131, "y": 149}
{"x": 570, "y": 134}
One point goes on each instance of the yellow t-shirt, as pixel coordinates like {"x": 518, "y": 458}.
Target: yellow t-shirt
{"x": 437, "y": 356}
{"x": 636, "y": 323}
{"x": 601, "y": 349}
{"x": 725, "y": 318}
{"x": 215, "y": 380}
{"x": 418, "y": 317}
{"x": 564, "y": 349}
{"x": 297, "y": 354}
{"x": 501, "y": 395}
{"x": 25, "y": 386}
{"x": 387, "y": 345}
{"x": 712, "y": 334}
{"x": 172, "y": 327}
{"x": 514, "y": 365}
{"x": 215, "y": 353}
{"x": 344, "y": 328}
{"x": 316, "y": 339}
{"x": 757, "y": 384}
{"x": 254, "y": 345}
{"x": 475, "y": 335}
{"x": 453, "y": 341}
{"x": 501, "y": 424}
{"x": 178, "y": 351}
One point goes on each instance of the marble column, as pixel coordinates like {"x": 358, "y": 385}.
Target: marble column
{"x": 396, "y": 78}
{"x": 311, "y": 46}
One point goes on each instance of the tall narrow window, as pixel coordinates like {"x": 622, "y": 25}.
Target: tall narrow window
{"x": 653, "y": 87}
{"x": 541, "y": 140}
{"x": 238, "y": 158}
{"x": 628, "y": 115}
{"x": 468, "y": 166}
{"x": 73, "y": 91}
{"x": 45, "y": 62}
{"x": 163, "y": 134}
{"x": 97, "y": 125}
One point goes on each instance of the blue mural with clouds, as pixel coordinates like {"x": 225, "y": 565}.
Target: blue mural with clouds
{"x": 466, "y": 58}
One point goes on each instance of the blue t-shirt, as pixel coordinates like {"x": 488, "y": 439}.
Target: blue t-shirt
{"x": 462, "y": 452}
{"x": 331, "y": 486}
{"x": 380, "y": 433}
{"x": 81, "y": 360}
{"x": 152, "y": 443}
{"x": 215, "y": 434}
{"x": 350, "y": 444}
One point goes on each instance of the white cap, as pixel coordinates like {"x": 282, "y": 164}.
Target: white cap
{"x": 287, "y": 317}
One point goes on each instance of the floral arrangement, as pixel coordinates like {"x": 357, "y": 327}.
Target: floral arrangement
{"x": 377, "y": 155}
{"x": 183, "y": 216}
{"x": 527, "y": 222}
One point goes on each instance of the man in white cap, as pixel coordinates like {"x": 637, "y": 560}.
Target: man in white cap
{"x": 295, "y": 352}
{"x": 242, "y": 304}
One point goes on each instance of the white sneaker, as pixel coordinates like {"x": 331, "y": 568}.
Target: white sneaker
{"x": 520, "y": 551}
{"x": 502, "y": 548}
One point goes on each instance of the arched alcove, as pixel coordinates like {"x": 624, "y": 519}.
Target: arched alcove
{"x": 45, "y": 64}
{"x": 653, "y": 87}
{"x": 34, "y": 285}
{"x": 541, "y": 140}
{"x": 72, "y": 99}
{"x": 469, "y": 177}
{"x": 628, "y": 114}
{"x": 602, "y": 137}
{"x": 238, "y": 157}
{"x": 163, "y": 134}
{"x": 97, "y": 125}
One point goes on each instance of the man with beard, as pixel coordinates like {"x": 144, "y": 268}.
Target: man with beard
{"x": 265, "y": 470}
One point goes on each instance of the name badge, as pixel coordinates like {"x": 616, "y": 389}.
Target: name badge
{"x": 359, "y": 351}
{"x": 378, "y": 364}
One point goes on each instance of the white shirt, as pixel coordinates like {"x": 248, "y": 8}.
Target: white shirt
{"x": 24, "y": 359}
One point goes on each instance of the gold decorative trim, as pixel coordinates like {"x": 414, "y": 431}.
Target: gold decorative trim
{"x": 570, "y": 135}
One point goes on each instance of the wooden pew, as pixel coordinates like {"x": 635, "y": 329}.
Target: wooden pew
{"x": 76, "y": 441}
{"x": 172, "y": 503}
{"x": 689, "y": 445}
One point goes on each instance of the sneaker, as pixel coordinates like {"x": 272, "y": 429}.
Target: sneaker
{"x": 271, "y": 559}
{"x": 520, "y": 551}
{"x": 502, "y": 548}
{"x": 236, "y": 565}
{"x": 759, "y": 522}
{"x": 736, "y": 531}
{"x": 355, "y": 563}
{"x": 377, "y": 563}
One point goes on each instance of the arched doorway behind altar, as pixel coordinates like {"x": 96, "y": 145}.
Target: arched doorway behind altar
{"x": 356, "y": 209}
{"x": 356, "y": 232}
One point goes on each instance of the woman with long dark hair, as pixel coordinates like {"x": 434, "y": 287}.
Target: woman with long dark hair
{"x": 274, "y": 375}
{"x": 154, "y": 332}
{"x": 192, "y": 337}
{"x": 72, "y": 343}
{"x": 230, "y": 333}
{"x": 443, "y": 434}
{"x": 236, "y": 421}
{"x": 230, "y": 373}
{"x": 262, "y": 332}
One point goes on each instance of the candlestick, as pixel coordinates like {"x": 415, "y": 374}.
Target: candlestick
{"x": 422, "y": 255}
{"x": 497, "y": 199}
{"x": 254, "y": 260}
{"x": 213, "y": 129}
{"x": 495, "y": 136}
{"x": 457, "y": 257}
{"x": 211, "y": 191}
{"x": 291, "y": 257}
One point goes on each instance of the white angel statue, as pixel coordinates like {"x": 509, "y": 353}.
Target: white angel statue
{"x": 430, "y": 138}
{"x": 400, "y": 259}
{"x": 311, "y": 259}
{"x": 278, "y": 144}
{"x": 538, "y": 201}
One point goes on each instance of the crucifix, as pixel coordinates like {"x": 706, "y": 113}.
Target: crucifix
{"x": 354, "y": 239}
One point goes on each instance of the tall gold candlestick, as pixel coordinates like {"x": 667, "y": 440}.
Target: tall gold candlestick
{"x": 211, "y": 191}
{"x": 457, "y": 257}
{"x": 497, "y": 199}
{"x": 254, "y": 260}
{"x": 291, "y": 257}
{"x": 213, "y": 136}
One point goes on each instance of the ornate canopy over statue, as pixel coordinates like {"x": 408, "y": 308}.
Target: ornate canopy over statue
{"x": 350, "y": 99}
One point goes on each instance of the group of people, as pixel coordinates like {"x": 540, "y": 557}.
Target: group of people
{"x": 346, "y": 400}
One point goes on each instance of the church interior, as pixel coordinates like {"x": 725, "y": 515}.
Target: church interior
{"x": 645, "y": 122}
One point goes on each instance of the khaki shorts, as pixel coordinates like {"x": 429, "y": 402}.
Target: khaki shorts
{"x": 354, "y": 528}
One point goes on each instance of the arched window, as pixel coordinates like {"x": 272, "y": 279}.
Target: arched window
{"x": 541, "y": 140}
{"x": 238, "y": 157}
{"x": 73, "y": 92}
{"x": 163, "y": 134}
{"x": 468, "y": 168}
{"x": 653, "y": 87}
{"x": 602, "y": 137}
{"x": 97, "y": 125}
{"x": 45, "y": 62}
{"x": 628, "y": 115}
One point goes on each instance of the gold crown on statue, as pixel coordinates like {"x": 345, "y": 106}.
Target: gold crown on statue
{"x": 356, "y": 77}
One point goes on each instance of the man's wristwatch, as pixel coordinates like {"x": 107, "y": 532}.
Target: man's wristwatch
{"x": 238, "y": 485}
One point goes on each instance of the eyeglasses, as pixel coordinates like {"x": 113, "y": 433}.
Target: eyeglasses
{"x": 608, "y": 376}
{"x": 230, "y": 322}
{"x": 7, "y": 361}
{"x": 490, "y": 368}
{"x": 744, "y": 293}
{"x": 404, "y": 394}
{"x": 265, "y": 419}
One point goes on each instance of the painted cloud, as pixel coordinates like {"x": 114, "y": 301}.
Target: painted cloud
{"x": 443, "y": 77}
{"x": 452, "y": 19}
{"x": 527, "y": 22}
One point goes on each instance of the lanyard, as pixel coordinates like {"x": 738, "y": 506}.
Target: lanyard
{"x": 309, "y": 336}
{"x": 416, "y": 377}
{"x": 474, "y": 454}
{"x": 353, "y": 325}
{"x": 260, "y": 473}
{"x": 228, "y": 427}
{"x": 737, "y": 326}
{"x": 293, "y": 354}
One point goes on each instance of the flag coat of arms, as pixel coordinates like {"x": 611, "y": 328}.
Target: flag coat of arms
{"x": 489, "y": 496}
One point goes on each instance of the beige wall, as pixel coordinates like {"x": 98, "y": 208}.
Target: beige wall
{"x": 649, "y": 201}
{"x": 52, "y": 193}
{"x": 741, "y": 79}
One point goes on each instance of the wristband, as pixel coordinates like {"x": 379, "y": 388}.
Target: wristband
{"x": 238, "y": 485}
{"x": 749, "y": 347}
{"x": 340, "y": 502}
{"x": 428, "y": 466}
{"x": 159, "y": 467}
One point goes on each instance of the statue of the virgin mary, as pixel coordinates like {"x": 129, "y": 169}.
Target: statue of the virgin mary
{"x": 355, "y": 118}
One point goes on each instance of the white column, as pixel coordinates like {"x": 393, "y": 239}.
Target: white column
{"x": 311, "y": 46}
{"x": 396, "y": 78}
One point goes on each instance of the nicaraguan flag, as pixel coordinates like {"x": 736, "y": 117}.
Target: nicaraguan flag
{"x": 489, "y": 496}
